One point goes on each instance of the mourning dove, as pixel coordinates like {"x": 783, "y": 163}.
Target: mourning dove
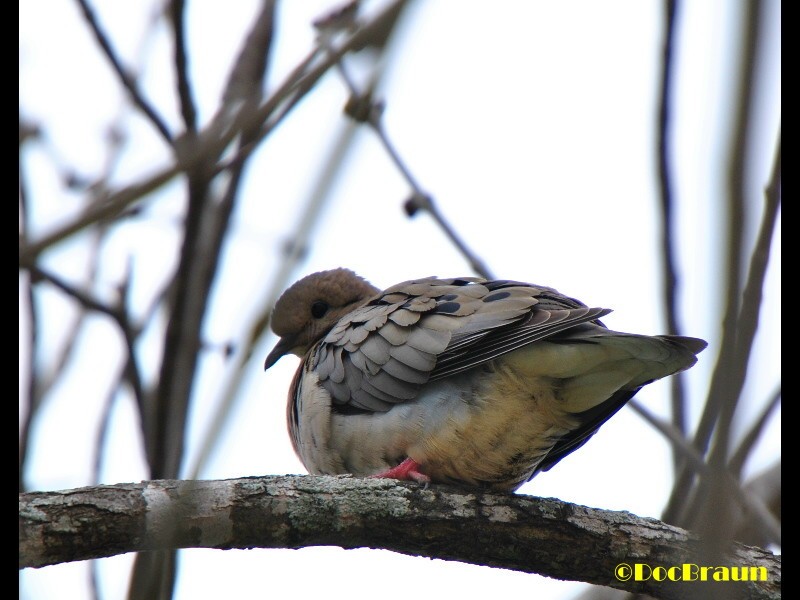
{"x": 463, "y": 381}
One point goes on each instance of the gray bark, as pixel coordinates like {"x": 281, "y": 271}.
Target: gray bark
{"x": 511, "y": 531}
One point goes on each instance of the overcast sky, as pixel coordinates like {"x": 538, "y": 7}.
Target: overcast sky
{"x": 531, "y": 123}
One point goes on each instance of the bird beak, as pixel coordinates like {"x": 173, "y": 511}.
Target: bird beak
{"x": 284, "y": 346}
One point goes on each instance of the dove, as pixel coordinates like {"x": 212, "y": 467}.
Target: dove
{"x": 465, "y": 381}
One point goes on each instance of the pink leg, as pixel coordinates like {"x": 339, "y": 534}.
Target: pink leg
{"x": 408, "y": 470}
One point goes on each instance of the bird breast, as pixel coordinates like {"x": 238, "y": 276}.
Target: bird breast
{"x": 488, "y": 427}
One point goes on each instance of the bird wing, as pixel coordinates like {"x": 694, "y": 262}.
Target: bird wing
{"x": 383, "y": 352}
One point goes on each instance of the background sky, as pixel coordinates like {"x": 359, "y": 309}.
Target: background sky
{"x": 532, "y": 126}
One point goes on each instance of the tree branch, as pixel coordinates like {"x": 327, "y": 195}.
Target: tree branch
{"x": 126, "y": 79}
{"x": 523, "y": 533}
{"x": 177, "y": 17}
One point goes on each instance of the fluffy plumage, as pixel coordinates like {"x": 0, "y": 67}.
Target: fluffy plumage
{"x": 466, "y": 380}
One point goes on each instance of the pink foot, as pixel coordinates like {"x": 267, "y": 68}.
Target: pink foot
{"x": 408, "y": 470}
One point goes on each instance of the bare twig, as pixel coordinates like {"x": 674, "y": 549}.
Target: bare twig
{"x": 751, "y": 437}
{"x": 728, "y": 372}
{"x": 40, "y": 383}
{"x": 205, "y": 229}
{"x": 177, "y": 14}
{"x": 105, "y": 419}
{"x": 747, "y": 321}
{"x": 362, "y": 108}
{"x": 244, "y": 84}
{"x": 31, "y": 317}
{"x": 766, "y": 488}
{"x": 85, "y": 299}
{"x": 32, "y": 394}
{"x": 760, "y": 515}
{"x": 668, "y": 238}
{"x": 113, "y": 206}
{"x": 126, "y": 79}
{"x": 206, "y": 226}
{"x": 295, "y": 249}
{"x": 249, "y": 72}
{"x": 116, "y": 313}
{"x": 210, "y": 143}
{"x": 306, "y": 74}
{"x": 752, "y": 295}
{"x": 426, "y": 203}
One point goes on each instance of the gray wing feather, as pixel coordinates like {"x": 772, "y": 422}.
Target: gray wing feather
{"x": 393, "y": 334}
{"x": 376, "y": 349}
{"x": 383, "y": 352}
{"x": 432, "y": 341}
{"x": 402, "y": 371}
{"x": 414, "y": 358}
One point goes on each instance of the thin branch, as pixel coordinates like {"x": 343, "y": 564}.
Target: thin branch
{"x": 33, "y": 377}
{"x": 205, "y": 229}
{"x": 670, "y": 279}
{"x": 40, "y": 384}
{"x": 729, "y": 372}
{"x": 177, "y": 14}
{"x": 249, "y": 71}
{"x": 164, "y": 414}
{"x": 127, "y": 81}
{"x": 105, "y": 419}
{"x": 766, "y": 488}
{"x": 731, "y": 369}
{"x": 192, "y": 152}
{"x": 296, "y": 247}
{"x": 752, "y": 295}
{"x": 46, "y": 381}
{"x": 163, "y": 420}
{"x": 668, "y": 236}
{"x": 132, "y": 372}
{"x": 689, "y": 455}
{"x": 116, "y": 313}
{"x": 747, "y": 322}
{"x": 681, "y": 447}
{"x": 753, "y": 434}
{"x": 244, "y": 84}
{"x": 426, "y": 203}
{"x": 86, "y": 300}
{"x": 362, "y": 108}
{"x": 31, "y": 315}
{"x": 294, "y": 250}
{"x": 114, "y": 204}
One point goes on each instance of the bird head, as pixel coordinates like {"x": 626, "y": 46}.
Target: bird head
{"x": 308, "y": 310}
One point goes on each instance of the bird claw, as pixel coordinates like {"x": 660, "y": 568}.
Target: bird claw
{"x": 408, "y": 470}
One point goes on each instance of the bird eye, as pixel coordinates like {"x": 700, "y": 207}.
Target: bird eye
{"x": 318, "y": 309}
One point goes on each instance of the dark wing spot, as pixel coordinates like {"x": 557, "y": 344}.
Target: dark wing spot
{"x": 496, "y": 296}
{"x": 448, "y": 307}
{"x": 448, "y": 297}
